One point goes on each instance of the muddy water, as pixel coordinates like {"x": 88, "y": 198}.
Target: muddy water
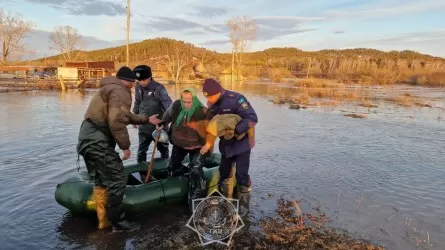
{"x": 380, "y": 178}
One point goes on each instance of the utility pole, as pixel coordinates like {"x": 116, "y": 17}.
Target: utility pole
{"x": 128, "y": 32}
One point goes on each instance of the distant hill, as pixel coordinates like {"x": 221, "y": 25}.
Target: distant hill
{"x": 139, "y": 51}
{"x": 346, "y": 64}
{"x": 156, "y": 48}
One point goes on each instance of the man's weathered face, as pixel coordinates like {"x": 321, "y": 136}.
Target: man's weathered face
{"x": 128, "y": 83}
{"x": 144, "y": 83}
{"x": 213, "y": 98}
{"x": 187, "y": 100}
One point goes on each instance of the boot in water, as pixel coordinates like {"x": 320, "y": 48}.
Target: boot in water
{"x": 125, "y": 226}
{"x": 100, "y": 196}
{"x": 198, "y": 179}
{"x": 226, "y": 187}
{"x": 243, "y": 194}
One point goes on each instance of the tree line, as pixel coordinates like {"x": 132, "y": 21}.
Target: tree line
{"x": 358, "y": 65}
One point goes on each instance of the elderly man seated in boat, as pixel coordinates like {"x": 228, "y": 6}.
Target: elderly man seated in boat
{"x": 188, "y": 135}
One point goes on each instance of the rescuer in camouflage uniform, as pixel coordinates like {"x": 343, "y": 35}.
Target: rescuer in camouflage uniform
{"x": 105, "y": 125}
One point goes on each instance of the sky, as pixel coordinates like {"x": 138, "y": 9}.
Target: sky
{"x": 305, "y": 24}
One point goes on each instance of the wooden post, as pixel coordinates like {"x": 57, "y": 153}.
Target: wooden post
{"x": 81, "y": 84}
{"x": 128, "y": 31}
{"x": 308, "y": 68}
{"x": 62, "y": 84}
{"x": 233, "y": 67}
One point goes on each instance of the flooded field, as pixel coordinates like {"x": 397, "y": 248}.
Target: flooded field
{"x": 381, "y": 177}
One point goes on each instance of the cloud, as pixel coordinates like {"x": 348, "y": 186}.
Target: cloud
{"x": 412, "y": 37}
{"x": 85, "y": 7}
{"x": 38, "y": 41}
{"x": 285, "y": 21}
{"x": 172, "y": 24}
{"x": 387, "y": 10}
{"x": 208, "y": 11}
{"x": 271, "y": 27}
{"x": 266, "y": 34}
{"x": 215, "y": 42}
{"x": 338, "y": 31}
{"x": 177, "y": 24}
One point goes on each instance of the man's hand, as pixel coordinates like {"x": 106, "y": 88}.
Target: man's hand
{"x": 229, "y": 134}
{"x": 127, "y": 154}
{"x": 154, "y": 119}
{"x": 204, "y": 149}
{"x": 161, "y": 125}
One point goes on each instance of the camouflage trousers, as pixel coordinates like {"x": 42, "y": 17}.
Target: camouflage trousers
{"x": 105, "y": 167}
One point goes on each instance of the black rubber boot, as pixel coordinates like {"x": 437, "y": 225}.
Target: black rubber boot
{"x": 163, "y": 149}
{"x": 117, "y": 216}
{"x": 199, "y": 183}
{"x": 243, "y": 195}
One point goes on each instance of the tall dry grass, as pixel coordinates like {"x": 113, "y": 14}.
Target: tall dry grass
{"x": 407, "y": 100}
{"x": 375, "y": 71}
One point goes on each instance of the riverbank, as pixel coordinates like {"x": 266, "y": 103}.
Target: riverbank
{"x": 14, "y": 85}
{"x": 287, "y": 228}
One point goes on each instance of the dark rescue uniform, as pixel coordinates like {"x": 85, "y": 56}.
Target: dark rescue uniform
{"x": 149, "y": 101}
{"x": 233, "y": 150}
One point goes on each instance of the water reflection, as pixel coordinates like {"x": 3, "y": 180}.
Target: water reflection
{"x": 81, "y": 232}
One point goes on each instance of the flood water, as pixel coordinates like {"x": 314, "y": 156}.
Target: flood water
{"x": 380, "y": 178}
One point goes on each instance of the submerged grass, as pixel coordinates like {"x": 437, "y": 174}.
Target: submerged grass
{"x": 321, "y": 92}
{"x": 288, "y": 228}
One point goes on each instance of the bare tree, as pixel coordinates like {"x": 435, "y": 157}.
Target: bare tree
{"x": 178, "y": 57}
{"x": 241, "y": 30}
{"x": 13, "y": 28}
{"x": 65, "y": 39}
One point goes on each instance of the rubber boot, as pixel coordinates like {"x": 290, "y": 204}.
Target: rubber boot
{"x": 116, "y": 216}
{"x": 226, "y": 188}
{"x": 199, "y": 182}
{"x": 100, "y": 197}
{"x": 125, "y": 226}
{"x": 243, "y": 195}
{"x": 165, "y": 152}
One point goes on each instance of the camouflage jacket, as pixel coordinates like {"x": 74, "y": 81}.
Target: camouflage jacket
{"x": 110, "y": 107}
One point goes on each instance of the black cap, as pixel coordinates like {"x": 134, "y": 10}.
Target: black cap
{"x": 142, "y": 72}
{"x": 125, "y": 73}
{"x": 211, "y": 87}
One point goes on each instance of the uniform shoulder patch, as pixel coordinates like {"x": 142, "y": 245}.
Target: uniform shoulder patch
{"x": 241, "y": 100}
{"x": 245, "y": 105}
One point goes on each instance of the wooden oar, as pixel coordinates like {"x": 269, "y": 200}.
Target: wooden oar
{"x": 148, "y": 177}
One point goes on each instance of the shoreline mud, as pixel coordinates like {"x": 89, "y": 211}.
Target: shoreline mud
{"x": 287, "y": 228}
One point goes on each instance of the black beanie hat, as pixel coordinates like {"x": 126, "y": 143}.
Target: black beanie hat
{"x": 125, "y": 73}
{"x": 211, "y": 87}
{"x": 142, "y": 72}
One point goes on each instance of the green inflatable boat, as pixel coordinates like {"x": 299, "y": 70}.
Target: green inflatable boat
{"x": 76, "y": 192}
